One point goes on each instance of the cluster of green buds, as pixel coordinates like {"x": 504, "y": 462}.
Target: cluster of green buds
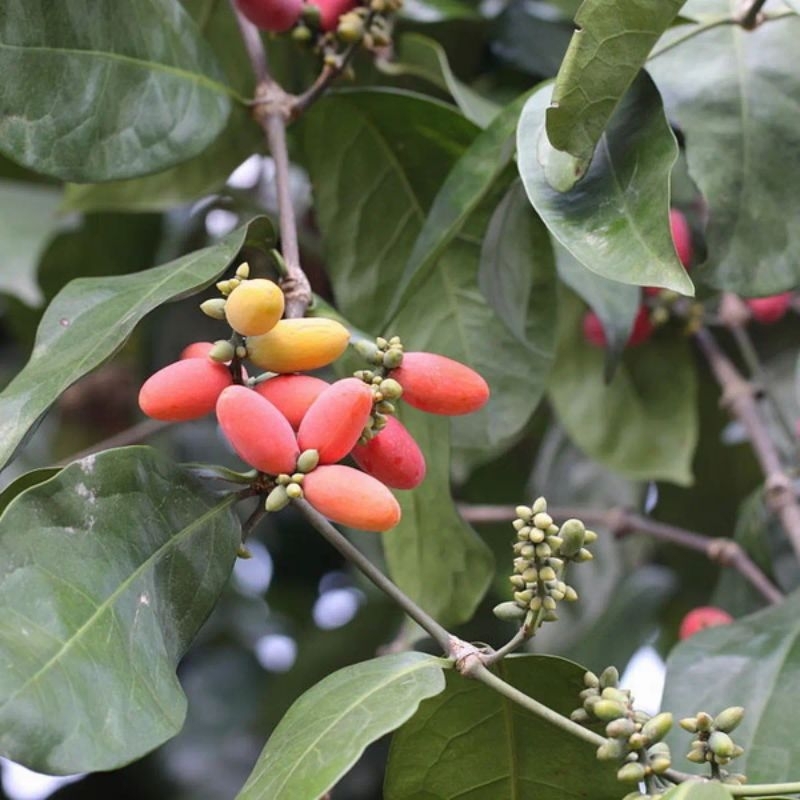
{"x": 370, "y": 25}
{"x": 290, "y": 487}
{"x": 543, "y": 550}
{"x": 635, "y": 738}
{"x": 713, "y": 744}
{"x": 383, "y": 355}
{"x": 668, "y": 304}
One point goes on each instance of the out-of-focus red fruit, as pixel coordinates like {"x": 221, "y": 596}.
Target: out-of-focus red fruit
{"x": 186, "y": 389}
{"x": 641, "y": 331}
{"x": 257, "y": 431}
{"x": 681, "y": 236}
{"x": 336, "y": 420}
{"x": 196, "y": 350}
{"x": 392, "y": 456}
{"x": 271, "y": 15}
{"x": 440, "y": 385}
{"x": 351, "y": 497}
{"x": 703, "y": 617}
{"x": 331, "y": 10}
{"x": 767, "y": 310}
{"x": 292, "y": 395}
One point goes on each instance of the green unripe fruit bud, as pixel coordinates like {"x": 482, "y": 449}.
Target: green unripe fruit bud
{"x": 737, "y": 751}
{"x": 611, "y": 750}
{"x": 618, "y": 695}
{"x": 277, "y": 499}
{"x": 542, "y": 520}
{"x": 283, "y": 480}
{"x": 307, "y": 460}
{"x": 660, "y": 764}
{"x": 555, "y": 563}
{"x": 591, "y": 691}
{"x": 530, "y": 575}
{"x": 524, "y": 534}
{"x": 243, "y": 271}
{"x": 536, "y": 536}
{"x": 572, "y": 534}
{"x": 385, "y": 407}
{"x": 523, "y": 598}
{"x": 518, "y": 524}
{"x": 527, "y": 551}
{"x": 689, "y": 724}
{"x": 241, "y": 351}
{"x": 550, "y": 615}
{"x": 556, "y": 594}
{"x": 221, "y": 351}
{"x": 298, "y": 477}
{"x": 509, "y": 612}
{"x": 582, "y": 555}
{"x": 391, "y": 389}
{"x": 659, "y": 748}
{"x": 543, "y": 550}
{"x": 607, "y": 710}
{"x": 570, "y": 595}
{"x": 524, "y": 513}
{"x": 735, "y": 779}
{"x": 729, "y": 719}
{"x": 580, "y": 716}
{"x": 657, "y": 728}
{"x": 590, "y": 702}
{"x": 636, "y": 741}
{"x": 703, "y": 721}
{"x": 294, "y": 491}
{"x": 214, "y": 308}
{"x": 535, "y": 604}
{"x": 393, "y": 359}
{"x": 539, "y": 505}
{"x": 609, "y": 677}
{"x": 382, "y": 343}
{"x": 620, "y": 728}
{"x": 549, "y": 604}
{"x": 367, "y": 350}
{"x": 590, "y": 680}
{"x": 555, "y": 543}
{"x": 300, "y": 33}
{"x": 517, "y": 581}
{"x": 631, "y": 773}
{"x": 697, "y": 755}
{"x": 589, "y": 537}
{"x": 720, "y": 744}
{"x": 547, "y": 574}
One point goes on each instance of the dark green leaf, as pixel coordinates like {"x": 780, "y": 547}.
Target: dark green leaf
{"x": 616, "y": 221}
{"x": 753, "y": 662}
{"x": 470, "y": 741}
{"x": 433, "y": 555}
{"x": 326, "y": 730}
{"x": 23, "y": 482}
{"x": 208, "y": 171}
{"x": 644, "y": 423}
{"x": 734, "y": 93}
{"x": 91, "y": 318}
{"x": 609, "y": 47}
{"x": 439, "y": 10}
{"x": 109, "y": 569}
{"x": 698, "y": 791}
{"x": 103, "y": 91}
{"x": 27, "y": 221}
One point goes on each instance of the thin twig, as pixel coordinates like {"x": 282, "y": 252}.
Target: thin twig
{"x": 621, "y": 523}
{"x": 252, "y": 45}
{"x": 752, "y": 15}
{"x": 737, "y": 397}
{"x": 133, "y": 435}
{"x": 764, "y": 789}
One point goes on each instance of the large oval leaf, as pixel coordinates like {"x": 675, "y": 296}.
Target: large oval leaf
{"x": 753, "y": 662}
{"x": 327, "y": 729}
{"x": 616, "y": 220}
{"x": 108, "y": 570}
{"x": 735, "y": 93}
{"x": 470, "y": 741}
{"x": 97, "y": 90}
{"x": 90, "y": 319}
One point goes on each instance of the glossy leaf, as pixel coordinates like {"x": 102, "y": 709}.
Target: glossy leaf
{"x": 109, "y": 569}
{"x": 734, "y": 94}
{"x": 27, "y": 221}
{"x": 753, "y": 662}
{"x": 103, "y": 91}
{"x": 616, "y": 221}
{"x": 644, "y": 423}
{"x": 23, "y": 482}
{"x": 609, "y": 47}
{"x": 90, "y": 319}
{"x": 208, "y": 171}
{"x": 326, "y": 729}
{"x": 470, "y": 741}
{"x": 698, "y": 791}
{"x": 432, "y": 554}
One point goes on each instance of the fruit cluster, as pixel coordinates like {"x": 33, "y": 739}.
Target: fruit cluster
{"x": 295, "y": 428}
{"x": 712, "y": 743}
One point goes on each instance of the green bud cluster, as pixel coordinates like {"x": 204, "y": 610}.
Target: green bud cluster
{"x": 290, "y": 487}
{"x": 542, "y": 552}
{"x": 712, "y": 743}
{"x": 634, "y": 738}
{"x": 384, "y": 355}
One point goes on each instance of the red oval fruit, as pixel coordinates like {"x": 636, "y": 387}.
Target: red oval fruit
{"x": 593, "y": 330}
{"x": 331, "y": 10}
{"x": 186, "y": 389}
{"x": 271, "y": 15}
{"x": 392, "y": 456}
{"x": 350, "y": 497}
{"x": 196, "y": 350}
{"x": 336, "y": 420}
{"x": 768, "y": 310}
{"x": 292, "y": 395}
{"x": 257, "y": 431}
{"x": 703, "y": 617}
{"x": 641, "y": 331}
{"x": 681, "y": 236}
{"x": 440, "y": 385}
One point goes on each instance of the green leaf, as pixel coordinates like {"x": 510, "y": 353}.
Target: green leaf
{"x": 753, "y": 662}
{"x": 734, "y": 94}
{"x": 472, "y": 177}
{"x": 470, "y": 741}
{"x": 425, "y": 58}
{"x": 90, "y": 319}
{"x": 616, "y": 221}
{"x": 698, "y": 791}
{"x": 109, "y": 569}
{"x": 644, "y": 423}
{"x": 208, "y": 171}
{"x": 609, "y": 47}
{"x": 103, "y": 91}
{"x": 439, "y": 10}
{"x": 27, "y": 221}
{"x": 326, "y": 729}
{"x": 25, "y": 481}
{"x": 432, "y": 554}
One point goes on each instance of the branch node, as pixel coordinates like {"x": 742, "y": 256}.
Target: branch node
{"x": 467, "y": 658}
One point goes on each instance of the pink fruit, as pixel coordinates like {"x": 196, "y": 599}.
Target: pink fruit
{"x": 336, "y": 420}
{"x": 681, "y": 236}
{"x": 186, "y": 389}
{"x": 392, "y": 456}
{"x": 703, "y": 617}
{"x": 271, "y": 15}
{"x": 292, "y": 395}
{"x": 641, "y": 331}
{"x": 768, "y": 310}
{"x": 257, "y": 431}
{"x": 196, "y": 350}
{"x": 331, "y": 10}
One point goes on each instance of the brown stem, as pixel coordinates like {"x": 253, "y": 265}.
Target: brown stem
{"x": 133, "y": 435}
{"x": 621, "y": 522}
{"x": 738, "y": 398}
{"x": 751, "y": 16}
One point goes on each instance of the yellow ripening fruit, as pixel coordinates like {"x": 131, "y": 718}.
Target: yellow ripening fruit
{"x": 297, "y": 345}
{"x": 254, "y": 307}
